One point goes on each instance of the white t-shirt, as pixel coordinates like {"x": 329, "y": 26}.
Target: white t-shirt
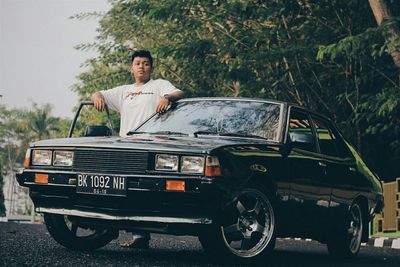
{"x": 136, "y": 103}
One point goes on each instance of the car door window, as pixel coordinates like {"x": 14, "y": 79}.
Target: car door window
{"x": 329, "y": 143}
{"x": 341, "y": 147}
{"x": 300, "y": 132}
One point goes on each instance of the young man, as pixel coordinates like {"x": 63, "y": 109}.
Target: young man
{"x": 136, "y": 102}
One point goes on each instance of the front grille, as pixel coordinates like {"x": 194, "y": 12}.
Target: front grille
{"x": 110, "y": 161}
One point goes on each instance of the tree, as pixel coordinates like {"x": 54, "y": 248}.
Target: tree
{"x": 382, "y": 14}
{"x": 372, "y": 93}
{"x": 17, "y": 129}
{"x": 8, "y": 150}
{"x": 40, "y": 123}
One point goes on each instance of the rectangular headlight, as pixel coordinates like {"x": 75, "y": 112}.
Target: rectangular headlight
{"x": 166, "y": 162}
{"x": 190, "y": 164}
{"x": 41, "y": 157}
{"x": 63, "y": 158}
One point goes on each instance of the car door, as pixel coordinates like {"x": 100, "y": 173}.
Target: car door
{"x": 309, "y": 193}
{"x": 341, "y": 173}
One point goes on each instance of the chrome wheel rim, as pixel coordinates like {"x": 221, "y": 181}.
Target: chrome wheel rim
{"x": 355, "y": 228}
{"x": 250, "y": 224}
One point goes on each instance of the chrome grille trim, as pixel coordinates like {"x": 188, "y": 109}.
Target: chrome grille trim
{"x": 110, "y": 161}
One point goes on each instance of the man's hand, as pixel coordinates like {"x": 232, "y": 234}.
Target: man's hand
{"x": 98, "y": 101}
{"x": 162, "y": 105}
{"x": 167, "y": 99}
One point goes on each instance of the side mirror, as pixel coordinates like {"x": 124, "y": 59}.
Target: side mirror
{"x": 97, "y": 130}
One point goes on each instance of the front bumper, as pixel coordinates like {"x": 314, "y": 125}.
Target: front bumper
{"x": 147, "y": 201}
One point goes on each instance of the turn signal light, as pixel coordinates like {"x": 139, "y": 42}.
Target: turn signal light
{"x": 212, "y": 167}
{"x": 41, "y": 178}
{"x": 27, "y": 160}
{"x": 175, "y": 186}
{"x": 213, "y": 171}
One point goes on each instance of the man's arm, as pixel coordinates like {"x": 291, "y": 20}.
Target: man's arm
{"x": 98, "y": 101}
{"x": 167, "y": 99}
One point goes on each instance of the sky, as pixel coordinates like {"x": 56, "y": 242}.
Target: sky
{"x": 38, "y": 61}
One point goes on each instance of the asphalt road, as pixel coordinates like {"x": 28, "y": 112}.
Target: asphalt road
{"x": 31, "y": 245}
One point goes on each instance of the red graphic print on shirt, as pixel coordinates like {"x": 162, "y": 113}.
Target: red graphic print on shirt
{"x": 134, "y": 94}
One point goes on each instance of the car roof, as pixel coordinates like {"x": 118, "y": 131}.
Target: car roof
{"x": 231, "y": 99}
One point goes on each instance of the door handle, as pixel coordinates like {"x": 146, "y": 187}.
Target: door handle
{"x": 321, "y": 164}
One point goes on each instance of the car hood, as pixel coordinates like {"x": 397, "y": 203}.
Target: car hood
{"x": 152, "y": 142}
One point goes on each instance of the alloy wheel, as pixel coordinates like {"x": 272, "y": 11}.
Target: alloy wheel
{"x": 355, "y": 228}
{"x": 250, "y": 227}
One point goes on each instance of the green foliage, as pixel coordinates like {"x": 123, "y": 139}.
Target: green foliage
{"x": 353, "y": 46}
{"x": 20, "y": 127}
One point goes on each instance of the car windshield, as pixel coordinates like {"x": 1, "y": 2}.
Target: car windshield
{"x": 219, "y": 117}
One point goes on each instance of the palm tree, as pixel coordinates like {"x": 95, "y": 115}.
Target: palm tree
{"x": 36, "y": 125}
{"x": 41, "y": 123}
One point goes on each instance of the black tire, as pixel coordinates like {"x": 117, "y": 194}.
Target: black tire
{"x": 247, "y": 231}
{"x": 347, "y": 243}
{"x": 74, "y": 236}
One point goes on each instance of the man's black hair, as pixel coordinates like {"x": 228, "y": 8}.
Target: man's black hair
{"x": 142, "y": 53}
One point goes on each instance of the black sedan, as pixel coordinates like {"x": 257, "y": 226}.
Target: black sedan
{"x": 235, "y": 172}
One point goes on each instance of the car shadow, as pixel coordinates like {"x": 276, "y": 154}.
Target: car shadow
{"x": 190, "y": 257}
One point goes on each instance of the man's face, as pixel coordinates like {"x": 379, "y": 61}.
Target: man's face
{"x": 141, "y": 69}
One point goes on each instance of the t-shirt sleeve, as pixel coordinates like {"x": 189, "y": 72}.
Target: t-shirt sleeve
{"x": 167, "y": 88}
{"x": 114, "y": 97}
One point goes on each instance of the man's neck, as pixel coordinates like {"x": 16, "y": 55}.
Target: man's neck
{"x": 140, "y": 83}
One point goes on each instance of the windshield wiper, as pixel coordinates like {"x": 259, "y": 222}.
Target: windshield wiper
{"x": 243, "y": 135}
{"x": 227, "y": 134}
{"x": 168, "y": 133}
{"x": 133, "y": 132}
{"x": 205, "y": 133}
{"x": 159, "y": 132}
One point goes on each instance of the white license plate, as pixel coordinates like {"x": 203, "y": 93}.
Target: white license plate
{"x": 99, "y": 184}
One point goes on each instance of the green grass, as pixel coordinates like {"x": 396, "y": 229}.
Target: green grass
{"x": 391, "y": 235}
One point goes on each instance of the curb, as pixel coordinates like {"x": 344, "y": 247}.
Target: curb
{"x": 383, "y": 242}
{"x": 380, "y": 242}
